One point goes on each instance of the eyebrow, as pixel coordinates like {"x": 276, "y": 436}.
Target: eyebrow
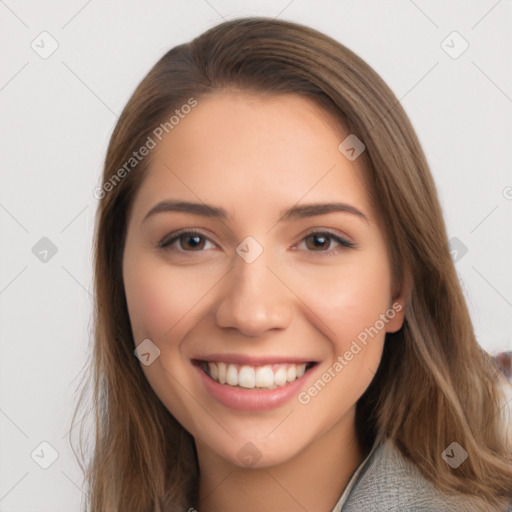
{"x": 290, "y": 214}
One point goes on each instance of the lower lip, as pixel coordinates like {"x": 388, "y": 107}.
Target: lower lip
{"x": 251, "y": 399}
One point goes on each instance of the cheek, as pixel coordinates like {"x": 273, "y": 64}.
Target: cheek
{"x": 348, "y": 299}
{"x": 160, "y": 303}
{"x": 159, "y": 297}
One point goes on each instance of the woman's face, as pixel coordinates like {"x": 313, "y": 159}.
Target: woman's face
{"x": 253, "y": 290}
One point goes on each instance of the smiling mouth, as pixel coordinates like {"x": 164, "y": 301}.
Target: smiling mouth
{"x": 269, "y": 376}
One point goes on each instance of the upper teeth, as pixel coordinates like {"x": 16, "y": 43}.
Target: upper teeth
{"x": 268, "y": 376}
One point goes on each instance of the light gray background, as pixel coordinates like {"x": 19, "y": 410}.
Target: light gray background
{"x": 57, "y": 115}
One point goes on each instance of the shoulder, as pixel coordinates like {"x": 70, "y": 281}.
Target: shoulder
{"x": 390, "y": 483}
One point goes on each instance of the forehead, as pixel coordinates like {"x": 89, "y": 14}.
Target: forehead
{"x": 250, "y": 122}
{"x": 247, "y": 149}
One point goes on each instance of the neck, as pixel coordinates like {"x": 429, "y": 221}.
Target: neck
{"x": 313, "y": 479}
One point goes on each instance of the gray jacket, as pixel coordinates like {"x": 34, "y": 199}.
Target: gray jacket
{"x": 387, "y": 482}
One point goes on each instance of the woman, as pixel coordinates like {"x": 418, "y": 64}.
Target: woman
{"x": 279, "y": 324}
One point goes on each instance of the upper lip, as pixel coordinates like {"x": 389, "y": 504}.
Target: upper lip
{"x": 243, "y": 359}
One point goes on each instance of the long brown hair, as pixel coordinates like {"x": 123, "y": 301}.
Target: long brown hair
{"x": 434, "y": 385}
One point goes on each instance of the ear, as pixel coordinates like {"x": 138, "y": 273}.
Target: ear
{"x": 399, "y": 298}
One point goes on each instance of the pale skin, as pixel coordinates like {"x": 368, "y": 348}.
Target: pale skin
{"x": 255, "y": 156}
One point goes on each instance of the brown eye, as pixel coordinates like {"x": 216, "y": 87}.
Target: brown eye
{"x": 319, "y": 241}
{"x": 191, "y": 241}
{"x": 185, "y": 241}
{"x": 326, "y": 243}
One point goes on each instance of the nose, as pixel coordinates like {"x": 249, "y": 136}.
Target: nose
{"x": 254, "y": 300}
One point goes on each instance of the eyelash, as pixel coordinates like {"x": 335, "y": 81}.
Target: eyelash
{"x": 166, "y": 243}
